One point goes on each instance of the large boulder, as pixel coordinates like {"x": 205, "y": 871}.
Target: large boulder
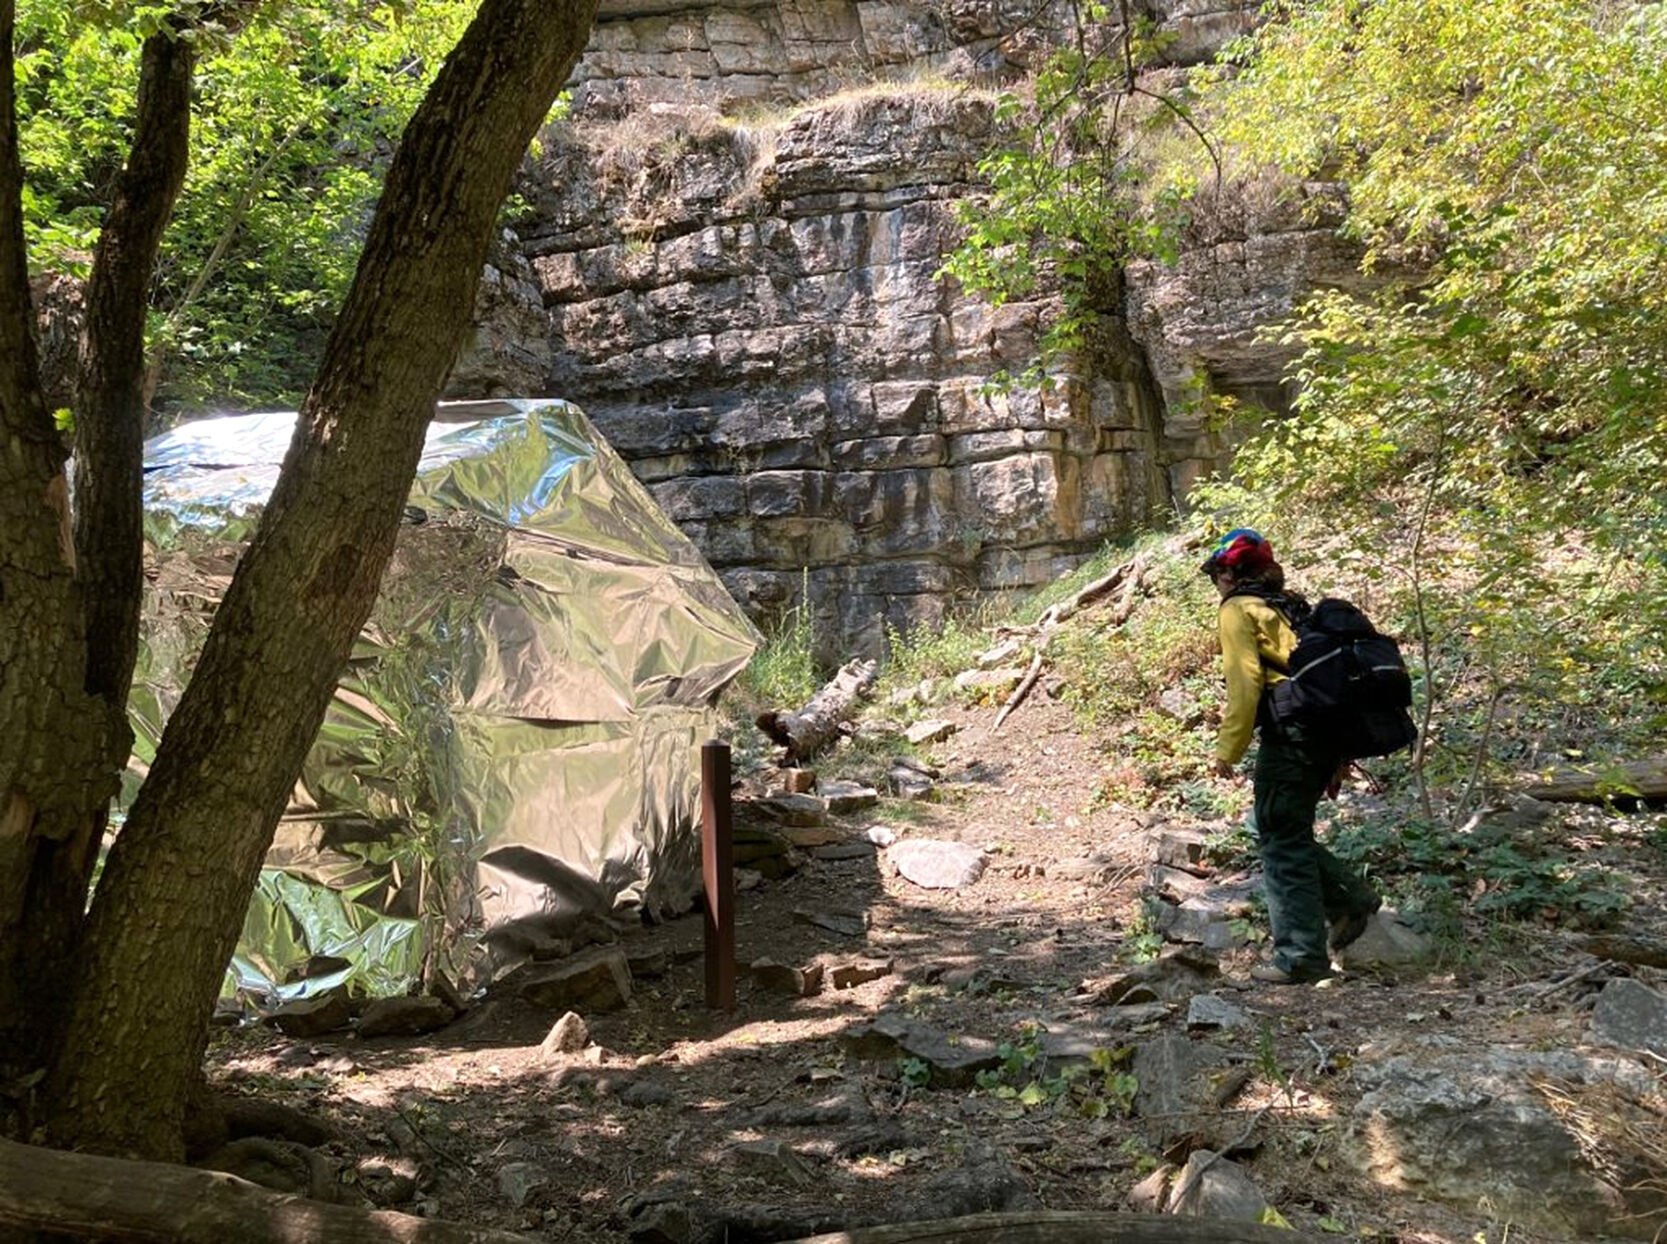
{"x": 1540, "y": 1139}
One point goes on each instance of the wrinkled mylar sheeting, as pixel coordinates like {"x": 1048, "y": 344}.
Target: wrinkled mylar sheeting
{"x": 514, "y": 744}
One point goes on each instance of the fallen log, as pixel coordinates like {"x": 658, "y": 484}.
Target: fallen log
{"x": 1643, "y": 779}
{"x": 1642, "y": 951}
{"x": 806, "y": 731}
{"x": 1065, "y": 1227}
{"x": 84, "y": 1197}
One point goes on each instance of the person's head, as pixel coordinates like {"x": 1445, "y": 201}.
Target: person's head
{"x": 1243, "y": 556}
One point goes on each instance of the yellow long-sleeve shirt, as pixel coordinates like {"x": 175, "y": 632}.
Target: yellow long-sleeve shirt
{"x": 1253, "y": 634}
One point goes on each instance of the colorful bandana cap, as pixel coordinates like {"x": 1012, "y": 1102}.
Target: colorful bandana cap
{"x": 1240, "y": 549}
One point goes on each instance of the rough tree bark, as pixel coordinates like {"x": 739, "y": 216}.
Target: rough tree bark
{"x": 55, "y": 753}
{"x": 109, "y": 411}
{"x": 180, "y": 875}
{"x": 807, "y": 730}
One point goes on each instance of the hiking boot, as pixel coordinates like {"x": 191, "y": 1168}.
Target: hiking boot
{"x": 1346, "y": 930}
{"x": 1273, "y": 974}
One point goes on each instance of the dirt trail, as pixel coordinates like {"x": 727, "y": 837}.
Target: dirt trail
{"x": 656, "y": 1126}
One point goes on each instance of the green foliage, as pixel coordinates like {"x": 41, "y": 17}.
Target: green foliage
{"x": 1488, "y": 421}
{"x": 1069, "y": 199}
{"x": 1495, "y": 870}
{"x": 926, "y": 653}
{"x": 1116, "y": 676}
{"x": 784, "y": 670}
{"x": 295, "y": 117}
{"x": 1102, "y": 1088}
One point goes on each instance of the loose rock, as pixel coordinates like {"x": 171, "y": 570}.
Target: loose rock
{"x": 568, "y": 1035}
{"x": 805, "y": 982}
{"x": 1207, "y": 1011}
{"x": 517, "y": 1181}
{"x": 313, "y": 1017}
{"x": 1631, "y": 1015}
{"x": 850, "y": 975}
{"x": 773, "y": 1159}
{"x": 796, "y": 810}
{"x": 404, "y": 1017}
{"x": 845, "y": 923}
{"x": 935, "y": 865}
{"x": 1212, "y": 1187}
{"x": 924, "y": 732}
{"x": 594, "y": 982}
{"x": 955, "y": 1060}
{"x": 845, "y": 798}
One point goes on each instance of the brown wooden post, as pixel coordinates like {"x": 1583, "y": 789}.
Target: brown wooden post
{"x": 718, "y": 872}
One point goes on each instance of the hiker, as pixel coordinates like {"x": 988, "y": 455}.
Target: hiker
{"x": 1310, "y": 892}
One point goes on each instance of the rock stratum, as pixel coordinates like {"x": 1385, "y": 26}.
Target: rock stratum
{"x": 729, "y": 256}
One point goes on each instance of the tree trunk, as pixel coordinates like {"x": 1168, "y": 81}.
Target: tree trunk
{"x": 105, "y": 1199}
{"x": 109, "y": 426}
{"x": 54, "y": 759}
{"x": 178, "y": 880}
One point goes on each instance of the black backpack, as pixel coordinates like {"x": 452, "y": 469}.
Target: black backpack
{"x": 1345, "y": 683}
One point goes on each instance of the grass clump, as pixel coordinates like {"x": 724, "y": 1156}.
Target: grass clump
{"x": 784, "y": 670}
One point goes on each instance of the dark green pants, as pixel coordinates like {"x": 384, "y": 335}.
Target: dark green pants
{"x": 1306, "y": 884}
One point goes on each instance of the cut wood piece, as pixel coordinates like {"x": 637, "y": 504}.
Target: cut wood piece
{"x": 99, "y": 1199}
{"x": 1642, "y": 779}
{"x": 806, "y": 731}
{"x": 1063, "y": 1227}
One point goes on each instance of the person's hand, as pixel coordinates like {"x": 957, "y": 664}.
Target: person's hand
{"x": 1226, "y": 769}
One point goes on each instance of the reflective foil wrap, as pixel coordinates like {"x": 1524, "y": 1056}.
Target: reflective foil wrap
{"x": 514, "y": 745}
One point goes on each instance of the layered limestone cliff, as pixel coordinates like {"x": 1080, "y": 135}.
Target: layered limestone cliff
{"x": 730, "y": 259}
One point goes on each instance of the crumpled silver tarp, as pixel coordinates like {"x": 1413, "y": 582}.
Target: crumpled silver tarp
{"x": 515, "y": 744}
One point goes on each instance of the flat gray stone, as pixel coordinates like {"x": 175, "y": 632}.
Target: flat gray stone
{"x": 845, "y": 798}
{"x": 1208, "y": 1012}
{"x": 1388, "y": 942}
{"x": 907, "y": 783}
{"x": 517, "y": 1181}
{"x": 838, "y": 852}
{"x": 1631, "y": 1015}
{"x": 1180, "y": 848}
{"x": 845, "y": 923}
{"x": 955, "y": 1059}
{"x": 931, "y": 731}
{"x": 936, "y": 865}
{"x": 774, "y": 1160}
{"x": 1174, "y": 1087}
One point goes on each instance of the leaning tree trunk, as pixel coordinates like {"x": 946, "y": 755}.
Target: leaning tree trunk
{"x": 167, "y": 912}
{"x": 109, "y": 425}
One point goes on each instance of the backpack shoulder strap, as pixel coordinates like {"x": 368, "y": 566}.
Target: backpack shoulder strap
{"x": 1290, "y": 606}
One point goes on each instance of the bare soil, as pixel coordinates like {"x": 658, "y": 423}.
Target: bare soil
{"x": 570, "y": 1147}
